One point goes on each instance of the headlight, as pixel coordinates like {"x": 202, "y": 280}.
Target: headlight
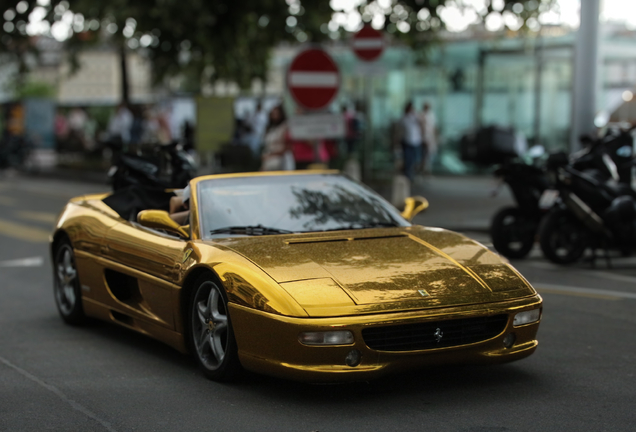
{"x": 527, "y": 317}
{"x": 341, "y": 337}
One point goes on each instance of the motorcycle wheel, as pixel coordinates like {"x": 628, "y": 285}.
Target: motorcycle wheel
{"x": 513, "y": 232}
{"x": 562, "y": 237}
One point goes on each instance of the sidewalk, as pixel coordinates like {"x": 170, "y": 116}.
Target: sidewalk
{"x": 458, "y": 203}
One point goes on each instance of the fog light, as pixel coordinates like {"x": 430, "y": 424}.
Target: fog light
{"x": 353, "y": 358}
{"x": 527, "y": 317}
{"x": 342, "y": 337}
{"x": 509, "y": 340}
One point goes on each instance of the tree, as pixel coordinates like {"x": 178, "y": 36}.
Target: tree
{"x": 232, "y": 39}
{"x": 14, "y": 41}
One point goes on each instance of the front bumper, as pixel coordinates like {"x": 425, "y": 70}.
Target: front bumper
{"x": 268, "y": 343}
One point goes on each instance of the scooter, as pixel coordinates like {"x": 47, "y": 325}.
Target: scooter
{"x": 168, "y": 167}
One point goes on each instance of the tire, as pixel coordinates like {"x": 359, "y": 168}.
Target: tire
{"x": 513, "y": 232}
{"x": 209, "y": 331}
{"x": 562, "y": 237}
{"x": 66, "y": 286}
{"x": 119, "y": 180}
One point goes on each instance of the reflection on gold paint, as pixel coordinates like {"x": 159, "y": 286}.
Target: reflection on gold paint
{"x": 499, "y": 277}
{"x": 244, "y": 293}
{"x": 381, "y": 266}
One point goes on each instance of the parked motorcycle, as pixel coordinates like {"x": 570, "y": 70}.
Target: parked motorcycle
{"x": 513, "y": 229}
{"x": 586, "y": 212}
{"x": 167, "y": 166}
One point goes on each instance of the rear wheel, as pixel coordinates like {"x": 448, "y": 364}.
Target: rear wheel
{"x": 210, "y": 334}
{"x": 513, "y": 232}
{"x": 562, "y": 237}
{"x": 66, "y": 286}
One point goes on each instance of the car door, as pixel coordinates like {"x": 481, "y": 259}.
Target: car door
{"x": 142, "y": 271}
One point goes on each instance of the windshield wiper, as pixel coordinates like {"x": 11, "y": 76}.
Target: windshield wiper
{"x": 251, "y": 230}
{"x": 360, "y": 225}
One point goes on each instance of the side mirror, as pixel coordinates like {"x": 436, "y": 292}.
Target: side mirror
{"x": 413, "y": 206}
{"x": 159, "y": 219}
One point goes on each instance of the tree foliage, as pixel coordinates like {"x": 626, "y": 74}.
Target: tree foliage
{"x": 230, "y": 39}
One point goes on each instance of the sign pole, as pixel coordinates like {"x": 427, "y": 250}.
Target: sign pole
{"x": 368, "y": 45}
{"x": 367, "y": 165}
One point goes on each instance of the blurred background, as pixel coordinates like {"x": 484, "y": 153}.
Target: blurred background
{"x": 76, "y": 75}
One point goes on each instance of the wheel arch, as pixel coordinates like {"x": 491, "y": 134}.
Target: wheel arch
{"x": 58, "y": 236}
{"x": 188, "y": 286}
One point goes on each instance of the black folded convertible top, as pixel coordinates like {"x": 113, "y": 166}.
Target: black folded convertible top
{"x": 129, "y": 201}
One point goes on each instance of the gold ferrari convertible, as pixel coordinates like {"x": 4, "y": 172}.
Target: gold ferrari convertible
{"x": 303, "y": 275}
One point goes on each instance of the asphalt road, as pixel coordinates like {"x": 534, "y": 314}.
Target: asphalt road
{"x": 105, "y": 378}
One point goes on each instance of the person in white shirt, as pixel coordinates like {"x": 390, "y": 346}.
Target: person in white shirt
{"x": 411, "y": 141}
{"x": 258, "y": 124}
{"x": 120, "y": 124}
{"x": 277, "y": 150}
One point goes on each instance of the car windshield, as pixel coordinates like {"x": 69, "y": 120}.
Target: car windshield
{"x": 259, "y": 205}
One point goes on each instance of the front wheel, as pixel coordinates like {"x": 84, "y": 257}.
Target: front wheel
{"x": 513, "y": 232}
{"x": 562, "y": 237}
{"x": 66, "y": 286}
{"x": 210, "y": 334}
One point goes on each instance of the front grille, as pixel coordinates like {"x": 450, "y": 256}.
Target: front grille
{"x": 434, "y": 334}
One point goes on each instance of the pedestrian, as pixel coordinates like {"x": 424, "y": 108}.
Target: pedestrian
{"x": 352, "y": 125}
{"x": 61, "y": 130}
{"x": 277, "y": 152}
{"x": 77, "y": 119}
{"x": 411, "y": 141}
{"x": 90, "y": 132}
{"x": 258, "y": 125}
{"x": 120, "y": 124}
{"x": 429, "y": 134}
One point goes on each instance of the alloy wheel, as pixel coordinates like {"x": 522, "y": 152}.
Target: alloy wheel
{"x": 210, "y": 325}
{"x": 66, "y": 280}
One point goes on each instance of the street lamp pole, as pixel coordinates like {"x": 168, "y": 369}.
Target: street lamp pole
{"x": 585, "y": 73}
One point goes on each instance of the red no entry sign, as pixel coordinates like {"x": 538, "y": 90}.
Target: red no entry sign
{"x": 368, "y": 43}
{"x": 313, "y": 79}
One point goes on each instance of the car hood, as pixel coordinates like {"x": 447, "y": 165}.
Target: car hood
{"x": 382, "y": 269}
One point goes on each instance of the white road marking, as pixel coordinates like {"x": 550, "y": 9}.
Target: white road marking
{"x": 591, "y": 272}
{"x": 24, "y": 262}
{"x": 617, "y": 277}
{"x": 75, "y": 405}
{"x": 572, "y": 290}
